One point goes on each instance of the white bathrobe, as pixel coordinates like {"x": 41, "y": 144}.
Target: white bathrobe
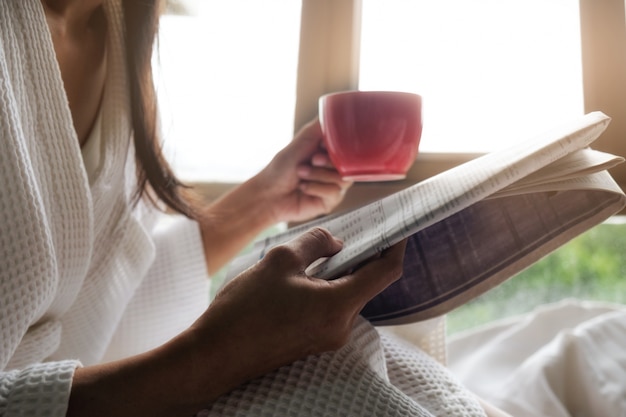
{"x": 86, "y": 278}
{"x": 83, "y": 276}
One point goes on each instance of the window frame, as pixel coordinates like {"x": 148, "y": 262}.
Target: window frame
{"x": 603, "y": 42}
{"x": 329, "y": 61}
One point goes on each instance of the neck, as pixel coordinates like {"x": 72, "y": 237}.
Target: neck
{"x": 78, "y": 30}
{"x": 74, "y": 14}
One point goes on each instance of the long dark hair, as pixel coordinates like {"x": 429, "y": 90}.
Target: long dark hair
{"x": 155, "y": 177}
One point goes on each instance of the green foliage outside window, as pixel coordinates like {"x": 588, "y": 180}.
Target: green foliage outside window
{"x": 590, "y": 267}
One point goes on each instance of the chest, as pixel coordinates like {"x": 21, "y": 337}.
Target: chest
{"x": 80, "y": 50}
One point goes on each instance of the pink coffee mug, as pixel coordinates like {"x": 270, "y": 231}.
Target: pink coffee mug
{"x": 371, "y": 135}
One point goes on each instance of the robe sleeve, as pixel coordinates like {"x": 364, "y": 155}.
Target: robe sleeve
{"x": 38, "y": 390}
{"x": 174, "y": 293}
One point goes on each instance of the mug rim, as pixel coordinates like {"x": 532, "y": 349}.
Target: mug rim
{"x": 374, "y": 92}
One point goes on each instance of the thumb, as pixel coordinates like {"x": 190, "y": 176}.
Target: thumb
{"x": 372, "y": 278}
{"x": 308, "y": 138}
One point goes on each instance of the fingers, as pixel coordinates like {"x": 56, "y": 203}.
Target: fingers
{"x": 373, "y": 277}
{"x": 309, "y": 144}
{"x": 322, "y": 160}
{"x": 321, "y": 173}
{"x": 318, "y": 175}
{"x": 320, "y": 181}
{"x": 323, "y": 191}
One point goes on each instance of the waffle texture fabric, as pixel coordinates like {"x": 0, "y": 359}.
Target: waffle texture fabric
{"x": 83, "y": 276}
{"x": 375, "y": 374}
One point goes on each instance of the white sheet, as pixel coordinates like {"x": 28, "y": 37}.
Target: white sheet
{"x": 562, "y": 360}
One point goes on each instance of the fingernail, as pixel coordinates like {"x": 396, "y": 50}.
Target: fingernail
{"x": 304, "y": 171}
{"x": 319, "y": 160}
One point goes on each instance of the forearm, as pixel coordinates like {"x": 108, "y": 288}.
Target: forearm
{"x": 143, "y": 385}
{"x": 177, "y": 379}
{"x": 234, "y": 220}
{"x": 270, "y": 316}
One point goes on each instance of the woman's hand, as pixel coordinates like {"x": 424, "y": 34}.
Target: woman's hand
{"x": 269, "y": 316}
{"x": 273, "y": 313}
{"x": 298, "y": 184}
{"x": 301, "y": 180}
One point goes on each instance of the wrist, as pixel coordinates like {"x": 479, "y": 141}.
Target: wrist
{"x": 235, "y": 219}
{"x": 162, "y": 382}
{"x": 132, "y": 382}
{"x": 264, "y": 199}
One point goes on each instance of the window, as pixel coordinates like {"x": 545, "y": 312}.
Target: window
{"x": 589, "y": 267}
{"x": 566, "y": 56}
{"x": 226, "y": 77}
{"x": 490, "y": 71}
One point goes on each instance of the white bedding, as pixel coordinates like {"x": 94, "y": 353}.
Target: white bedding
{"x": 562, "y": 360}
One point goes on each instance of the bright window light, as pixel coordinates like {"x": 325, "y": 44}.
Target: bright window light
{"x": 226, "y": 80}
{"x": 490, "y": 71}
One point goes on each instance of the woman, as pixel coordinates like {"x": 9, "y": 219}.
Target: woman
{"x": 102, "y": 306}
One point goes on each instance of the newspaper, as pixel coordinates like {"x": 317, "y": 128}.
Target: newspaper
{"x": 475, "y": 225}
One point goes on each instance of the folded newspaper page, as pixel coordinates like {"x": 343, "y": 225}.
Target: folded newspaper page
{"x": 475, "y": 225}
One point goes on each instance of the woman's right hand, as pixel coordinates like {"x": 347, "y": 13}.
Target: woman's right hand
{"x": 269, "y": 316}
{"x": 273, "y": 313}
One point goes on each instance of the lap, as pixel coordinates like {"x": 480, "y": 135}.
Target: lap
{"x": 371, "y": 375}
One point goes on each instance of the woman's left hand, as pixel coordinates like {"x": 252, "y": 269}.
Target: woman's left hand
{"x": 301, "y": 179}
{"x": 298, "y": 184}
